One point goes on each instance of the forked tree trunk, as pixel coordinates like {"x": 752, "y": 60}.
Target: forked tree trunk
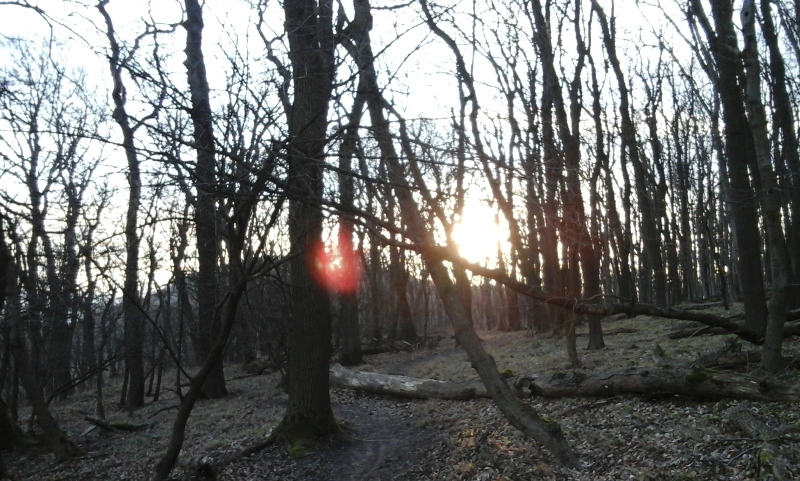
{"x": 742, "y": 202}
{"x": 132, "y": 318}
{"x": 770, "y": 192}
{"x": 167, "y": 462}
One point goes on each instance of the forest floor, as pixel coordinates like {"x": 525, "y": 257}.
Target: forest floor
{"x": 389, "y": 439}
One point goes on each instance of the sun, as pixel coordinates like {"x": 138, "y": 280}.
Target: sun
{"x": 479, "y": 232}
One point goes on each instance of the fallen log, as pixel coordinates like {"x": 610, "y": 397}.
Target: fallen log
{"x": 699, "y": 331}
{"x": 115, "y": 426}
{"x": 401, "y": 386}
{"x": 588, "y": 306}
{"x": 380, "y": 349}
{"x": 691, "y": 382}
{"x": 769, "y": 457}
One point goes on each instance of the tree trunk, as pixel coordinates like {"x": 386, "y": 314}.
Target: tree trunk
{"x": 167, "y": 462}
{"x": 653, "y": 264}
{"x": 621, "y": 241}
{"x": 399, "y": 386}
{"x": 517, "y": 413}
{"x": 770, "y": 193}
{"x": 55, "y": 439}
{"x": 11, "y": 435}
{"x": 206, "y": 205}
{"x": 403, "y": 325}
{"x": 132, "y": 318}
{"x": 785, "y": 121}
{"x": 694, "y": 383}
{"x": 350, "y": 348}
{"x": 310, "y": 33}
{"x": 375, "y": 333}
{"x": 742, "y": 202}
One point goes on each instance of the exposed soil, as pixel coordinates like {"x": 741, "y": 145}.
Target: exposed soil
{"x": 391, "y": 439}
{"x": 383, "y": 441}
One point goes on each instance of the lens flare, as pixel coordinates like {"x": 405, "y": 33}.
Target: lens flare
{"x": 337, "y": 270}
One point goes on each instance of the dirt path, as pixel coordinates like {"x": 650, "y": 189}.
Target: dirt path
{"x": 384, "y": 441}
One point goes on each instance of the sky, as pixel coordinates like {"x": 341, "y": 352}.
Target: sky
{"x": 424, "y": 86}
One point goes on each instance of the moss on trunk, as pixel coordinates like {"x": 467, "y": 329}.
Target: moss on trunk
{"x": 302, "y": 431}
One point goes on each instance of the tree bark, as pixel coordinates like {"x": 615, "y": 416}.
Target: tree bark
{"x": 694, "y": 383}
{"x": 206, "y": 204}
{"x": 132, "y": 318}
{"x": 310, "y": 33}
{"x": 520, "y": 415}
{"x": 399, "y": 386}
{"x": 770, "y": 194}
{"x": 742, "y": 202}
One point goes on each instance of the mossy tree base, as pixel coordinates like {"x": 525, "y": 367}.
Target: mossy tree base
{"x": 302, "y": 431}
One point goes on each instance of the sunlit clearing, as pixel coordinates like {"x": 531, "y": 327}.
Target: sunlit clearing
{"x": 477, "y": 234}
{"x": 337, "y": 271}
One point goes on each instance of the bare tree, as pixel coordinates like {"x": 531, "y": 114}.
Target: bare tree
{"x": 653, "y": 263}
{"x": 309, "y": 30}
{"x": 738, "y": 151}
{"x": 133, "y": 320}
{"x": 519, "y": 414}
{"x": 48, "y": 120}
{"x": 772, "y": 199}
{"x": 784, "y": 120}
{"x": 205, "y": 212}
{"x": 350, "y": 349}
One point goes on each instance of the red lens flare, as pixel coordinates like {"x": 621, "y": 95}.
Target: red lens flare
{"x": 337, "y": 270}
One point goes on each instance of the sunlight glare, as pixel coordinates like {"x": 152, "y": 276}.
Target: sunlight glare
{"x": 338, "y": 271}
{"x": 477, "y": 234}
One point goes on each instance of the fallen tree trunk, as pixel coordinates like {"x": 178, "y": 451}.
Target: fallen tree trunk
{"x": 401, "y": 386}
{"x": 769, "y": 458}
{"x": 690, "y": 382}
{"x": 583, "y": 306}
{"x": 115, "y": 426}
{"x": 696, "y": 383}
{"x": 699, "y": 331}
